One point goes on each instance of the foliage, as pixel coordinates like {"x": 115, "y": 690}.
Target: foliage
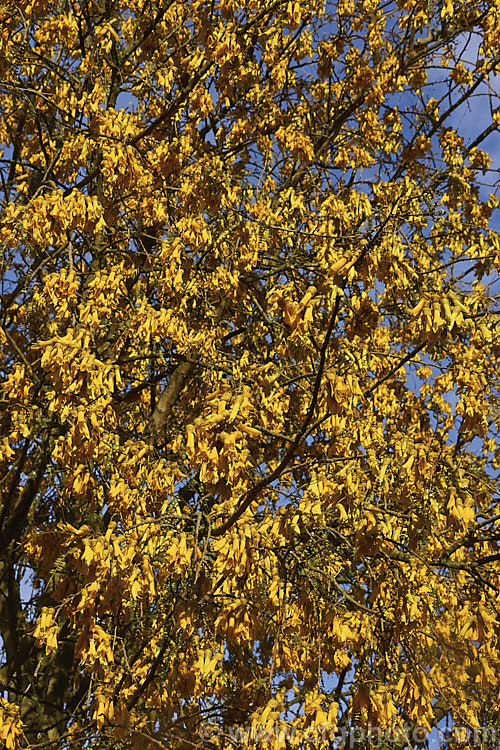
{"x": 249, "y": 378}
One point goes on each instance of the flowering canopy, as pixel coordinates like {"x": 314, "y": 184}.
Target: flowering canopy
{"x": 248, "y": 357}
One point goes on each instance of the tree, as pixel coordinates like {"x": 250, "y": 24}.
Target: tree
{"x": 249, "y": 346}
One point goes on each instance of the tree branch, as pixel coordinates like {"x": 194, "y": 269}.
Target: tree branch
{"x": 254, "y": 492}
